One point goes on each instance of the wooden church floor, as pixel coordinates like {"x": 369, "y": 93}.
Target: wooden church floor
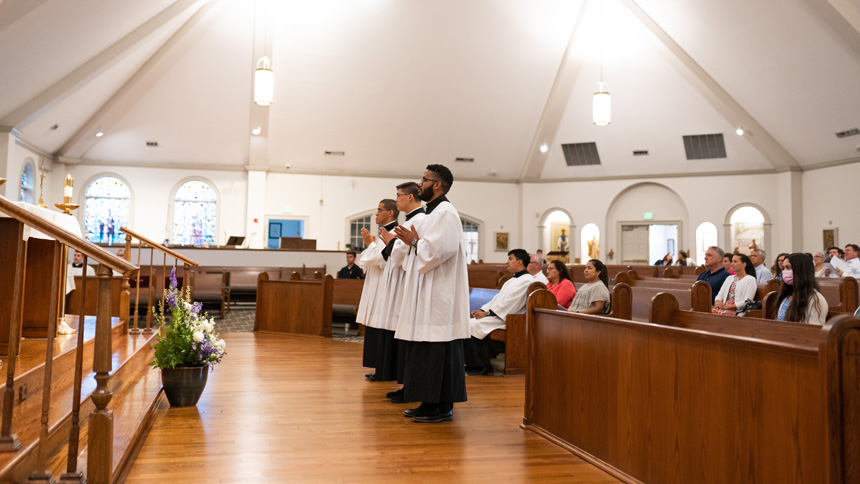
{"x": 298, "y": 409}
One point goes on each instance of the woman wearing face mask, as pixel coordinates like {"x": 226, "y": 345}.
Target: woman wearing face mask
{"x": 799, "y": 299}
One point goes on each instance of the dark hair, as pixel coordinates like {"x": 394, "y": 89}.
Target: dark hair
{"x": 352, "y": 253}
{"x": 775, "y": 269}
{"x": 388, "y": 204}
{"x": 749, "y": 268}
{"x": 838, "y": 249}
{"x": 599, "y": 267}
{"x": 683, "y": 254}
{"x": 445, "y": 176}
{"x": 409, "y": 188}
{"x": 802, "y": 289}
{"x": 521, "y": 255}
{"x": 562, "y": 270}
{"x": 853, "y": 246}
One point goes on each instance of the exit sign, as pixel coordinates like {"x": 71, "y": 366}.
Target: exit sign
{"x": 649, "y": 215}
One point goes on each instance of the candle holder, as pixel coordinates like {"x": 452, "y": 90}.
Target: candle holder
{"x": 2, "y": 181}
{"x": 67, "y": 206}
{"x": 42, "y": 186}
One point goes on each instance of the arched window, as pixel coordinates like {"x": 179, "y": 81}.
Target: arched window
{"x": 106, "y": 209}
{"x": 28, "y": 183}
{"x": 355, "y": 226}
{"x": 470, "y": 237}
{"x": 557, "y": 235}
{"x": 747, "y": 229}
{"x": 706, "y": 236}
{"x": 195, "y": 211}
{"x": 590, "y": 239}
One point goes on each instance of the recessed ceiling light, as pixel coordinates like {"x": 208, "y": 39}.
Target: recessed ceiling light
{"x": 99, "y": 134}
{"x": 256, "y": 131}
{"x": 739, "y": 131}
{"x": 544, "y": 148}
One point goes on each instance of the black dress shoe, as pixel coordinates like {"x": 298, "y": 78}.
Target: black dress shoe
{"x": 398, "y": 399}
{"x": 394, "y": 394}
{"x": 369, "y": 375}
{"x": 482, "y": 371}
{"x": 422, "y": 409}
{"x": 434, "y": 417}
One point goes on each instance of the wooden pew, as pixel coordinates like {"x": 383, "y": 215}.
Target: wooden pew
{"x": 703, "y": 398}
{"x": 346, "y": 295}
{"x": 514, "y": 338}
{"x": 841, "y": 294}
{"x": 487, "y": 276}
{"x": 299, "y": 306}
{"x": 634, "y": 302}
{"x": 73, "y": 300}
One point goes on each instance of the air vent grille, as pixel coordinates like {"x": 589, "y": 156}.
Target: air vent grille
{"x": 580, "y": 154}
{"x": 850, "y": 132}
{"x": 640, "y": 152}
{"x": 152, "y": 143}
{"x": 704, "y": 146}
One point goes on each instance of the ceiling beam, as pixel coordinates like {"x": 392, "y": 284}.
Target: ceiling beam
{"x": 40, "y": 103}
{"x": 721, "y": 100}
{"x": 13, "y": 10}
{"x": 556, "y": 103}
{"x": 148, "y": 73}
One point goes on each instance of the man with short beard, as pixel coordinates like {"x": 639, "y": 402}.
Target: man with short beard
{"x": 434, "y": 318}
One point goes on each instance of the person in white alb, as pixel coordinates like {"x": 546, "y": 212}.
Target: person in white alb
{"x": 373, "y": 263}
{"x": 511, "y": 299}
{"x": 434, "y": 318}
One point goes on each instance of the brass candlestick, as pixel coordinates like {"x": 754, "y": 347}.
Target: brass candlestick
{"x": 42, "y": 186}
{"x": 67, "y": 206}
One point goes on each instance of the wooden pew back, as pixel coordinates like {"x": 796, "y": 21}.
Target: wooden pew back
{"x": 294, "y": 306}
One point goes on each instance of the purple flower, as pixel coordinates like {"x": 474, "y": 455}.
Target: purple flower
{"x": 195, "y": 309}
{"x": 173, "y": 283}
{"x": 171, "y": 298}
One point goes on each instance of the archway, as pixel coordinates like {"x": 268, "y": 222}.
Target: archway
{"x": 644, "y": 222}
{"x": 706, "y": 236}
{"x": 747, "y": 227}
{"x": 589, "y": 243}
{"x": 555, "y": 233}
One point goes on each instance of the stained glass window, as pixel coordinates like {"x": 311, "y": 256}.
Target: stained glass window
{"x": 355, "y": 226}
{"x": 106, "y": 210}
{"x": 470, "y": 237}
{"x": 195, "y": 212}
{"x": 28, "y": 184}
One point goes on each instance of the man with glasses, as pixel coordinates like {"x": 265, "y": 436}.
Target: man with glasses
{"x": 851, "y": 265}
{"x": 434, "y": 318}
{"x": 716, "y": 275}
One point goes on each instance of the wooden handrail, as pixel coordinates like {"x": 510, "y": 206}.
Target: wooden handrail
{"x": 81, "y": 245}
{"x": 159, "y": 247}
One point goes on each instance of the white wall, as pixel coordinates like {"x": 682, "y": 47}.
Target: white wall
{"x": 831, "y": 199}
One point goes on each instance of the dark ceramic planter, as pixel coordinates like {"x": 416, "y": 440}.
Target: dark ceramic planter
{"x": 183, "y": 385}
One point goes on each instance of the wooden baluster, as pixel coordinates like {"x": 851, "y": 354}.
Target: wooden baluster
{"x": 8, "y": 441}
{"x": 151, "y": 298}
{"x": 43, "y": 474}
{"x": 72, "y": 474}
{"x": 136, "y": 328}
{"x": 100, "y": 430}
{"x": 125, "y": 294}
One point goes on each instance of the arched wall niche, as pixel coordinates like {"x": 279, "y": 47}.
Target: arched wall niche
{"x": 544, "y": 228}
{"x": 728, "y": 242}
{"x": 629, "y": 208}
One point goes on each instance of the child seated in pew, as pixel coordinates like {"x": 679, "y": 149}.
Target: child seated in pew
{"x": 738, "y": 288}
{"x": 799, "y": 299}
{"x": 593, "y": 296}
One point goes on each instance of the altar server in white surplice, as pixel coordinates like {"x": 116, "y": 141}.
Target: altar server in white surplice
{"x": 373, "y": 263}
{"x": 434, "y": 318}
{"x": 511, "y": 299}
{"x": 390, "y": 294}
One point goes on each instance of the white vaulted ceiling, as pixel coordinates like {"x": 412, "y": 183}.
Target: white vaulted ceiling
{"x": 398, "y": 84}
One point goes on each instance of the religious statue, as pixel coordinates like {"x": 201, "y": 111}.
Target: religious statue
{"x": 594, "y": 248}
{"x": 563, "y": 243}
{"x": 754, "y": 246}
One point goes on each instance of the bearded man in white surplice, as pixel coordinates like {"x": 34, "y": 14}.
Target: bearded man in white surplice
{"x": 434, "y": 317}
{"x": 511, "y": 299}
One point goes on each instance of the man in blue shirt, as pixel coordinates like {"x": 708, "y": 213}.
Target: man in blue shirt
{"x": 715, "y": 276}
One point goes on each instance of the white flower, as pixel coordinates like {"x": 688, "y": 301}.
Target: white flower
{"x": 187, "y": 305}
{"x": 198, "y": 336}
{"x": 208, "y": 327}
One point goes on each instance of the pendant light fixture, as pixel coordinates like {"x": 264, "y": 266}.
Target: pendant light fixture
{"x": 264, "y": 76}
{"x": 601, "y": 105}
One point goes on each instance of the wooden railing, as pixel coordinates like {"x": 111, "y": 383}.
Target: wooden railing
{"x": 100, "y": 432}
{"x": 125, "y": 297}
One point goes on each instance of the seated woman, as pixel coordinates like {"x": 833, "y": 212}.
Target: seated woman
{"x": 727, "y": 263}
{"x": 666, "y": 261}
{"x": 821, "y": 270}
{"x": 776, "y": 270}
{"x": 559, "y": 283}
{"x": 682, "y": 258}
{"x": 799, "y": 299}
{"x": 593, "y": 296}
{"x": 737, "y": 288}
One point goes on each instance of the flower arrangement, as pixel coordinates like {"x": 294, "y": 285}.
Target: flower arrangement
{"x": 190, "y": 339}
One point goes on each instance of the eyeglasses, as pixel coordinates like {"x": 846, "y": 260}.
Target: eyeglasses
{"x": 425, "y": 180}
{"x": 400, "y": 195}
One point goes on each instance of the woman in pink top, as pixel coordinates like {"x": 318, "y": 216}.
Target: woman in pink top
{"x": 559, "y": 283}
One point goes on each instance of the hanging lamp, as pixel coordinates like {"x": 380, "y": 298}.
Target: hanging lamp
{"x": 264, "y": 82}
{"x": 601, "y": 106}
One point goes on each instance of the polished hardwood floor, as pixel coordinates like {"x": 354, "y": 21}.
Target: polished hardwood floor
{"x": 298, "y": 409}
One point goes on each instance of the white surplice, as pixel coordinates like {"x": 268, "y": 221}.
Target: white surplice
{"x": 436, "y": 286}
{"x": 511, "y": 299}
{"x": 372, "y": 262}
{"x": 390, "y": 295}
